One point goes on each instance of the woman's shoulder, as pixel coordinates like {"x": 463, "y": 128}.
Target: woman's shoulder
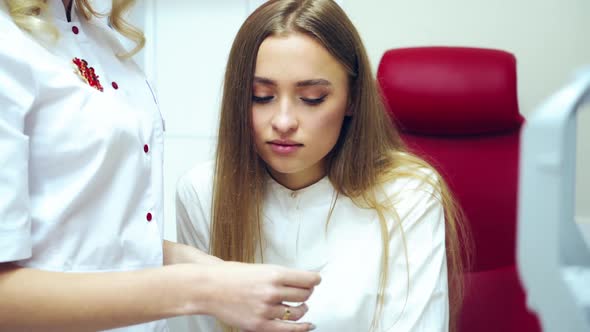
{"x": 412, "y": 177}
{"x": 15, "y": 39}
{"x": 14, "y": 42}
{"x": 197, "y": 181}
{"x": 6, "y": 23}
{"x": 20, "y": 65}
{"x": 416, "y": 194}
{"x": 411, "y": 184}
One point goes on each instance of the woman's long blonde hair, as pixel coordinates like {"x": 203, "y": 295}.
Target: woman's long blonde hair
{"x": 369, "y": 151}
{"x": 29, "y": 16}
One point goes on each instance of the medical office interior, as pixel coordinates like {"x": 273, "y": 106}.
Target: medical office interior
{"x": 188, "y": 43}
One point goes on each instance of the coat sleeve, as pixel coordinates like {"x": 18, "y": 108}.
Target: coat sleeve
{"x": 417, "y": 296}
{"x": 17, "y": 97}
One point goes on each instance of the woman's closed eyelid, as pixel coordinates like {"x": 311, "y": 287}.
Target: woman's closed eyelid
{"x": 310, "y": 101}
{"x": 262, "y": 99}
{"x": 314, "y": 101}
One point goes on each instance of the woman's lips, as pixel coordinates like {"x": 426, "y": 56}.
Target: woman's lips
{"x": 284, "y": 147}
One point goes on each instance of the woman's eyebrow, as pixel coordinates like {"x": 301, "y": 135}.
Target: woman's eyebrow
{"x": 319, "y": 81}
{"x": 305, "y": 83}
{"x": 264, "y": 81}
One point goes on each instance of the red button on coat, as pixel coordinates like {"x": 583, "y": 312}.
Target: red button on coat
{"x": 115, "y": 85}
{"x": 146, "y": 148}
{"x": 75, "y": 30}
{"x": 149, "y": 217}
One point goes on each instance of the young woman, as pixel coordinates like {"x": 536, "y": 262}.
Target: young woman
{"x": 310, "y": 173}
{"x": 81, "y": 217}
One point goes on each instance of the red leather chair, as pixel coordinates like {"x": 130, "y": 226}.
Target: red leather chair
{"x": 457, "y": 107}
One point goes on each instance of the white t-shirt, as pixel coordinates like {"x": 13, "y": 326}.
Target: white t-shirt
{"x": 347, "y": 256}
{"x": 80, "y": 170}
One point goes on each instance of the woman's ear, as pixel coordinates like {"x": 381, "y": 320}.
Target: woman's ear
{"x": 349, "y": 108}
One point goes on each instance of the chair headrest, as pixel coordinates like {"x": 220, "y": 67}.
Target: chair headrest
{"x": 450, "y": 90}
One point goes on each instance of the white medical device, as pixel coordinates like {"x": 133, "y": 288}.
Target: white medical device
{"x": 553, "y": 258}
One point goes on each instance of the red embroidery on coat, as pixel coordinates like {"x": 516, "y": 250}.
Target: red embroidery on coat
{"x": 87, "y": 73}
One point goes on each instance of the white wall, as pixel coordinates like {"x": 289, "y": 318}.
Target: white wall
{"x": 188, "y": 43}
{"x": 549, "y": 38}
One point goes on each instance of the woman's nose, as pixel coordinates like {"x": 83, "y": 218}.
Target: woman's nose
{"x": 285, "y": 120}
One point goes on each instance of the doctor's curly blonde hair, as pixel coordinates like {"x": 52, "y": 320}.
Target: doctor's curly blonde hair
{"x": 30, "y": 15}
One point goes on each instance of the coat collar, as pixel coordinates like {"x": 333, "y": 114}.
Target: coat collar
{"x": 57, "y": 11}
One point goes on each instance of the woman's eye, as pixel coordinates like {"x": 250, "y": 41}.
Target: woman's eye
{"x": 313, "y": 101}
{"x": 262, "y": 100}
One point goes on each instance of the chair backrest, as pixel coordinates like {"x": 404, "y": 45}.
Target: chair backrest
{"x": 457, "y": 108}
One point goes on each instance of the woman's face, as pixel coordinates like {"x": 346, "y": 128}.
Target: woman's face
{"x": 300, "y": 98}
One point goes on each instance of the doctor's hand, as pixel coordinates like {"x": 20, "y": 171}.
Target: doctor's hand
{"x": 251, "y": 296}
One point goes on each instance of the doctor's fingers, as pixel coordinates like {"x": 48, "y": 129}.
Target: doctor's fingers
{"x": 283, "y": 326}
{"x": 297, "y": 278}
{"x": 287, "y": 312}
{"x": 293, "y": 294}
